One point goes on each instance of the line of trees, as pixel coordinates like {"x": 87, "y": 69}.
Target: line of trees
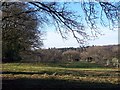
{"x": 103, "y": 55}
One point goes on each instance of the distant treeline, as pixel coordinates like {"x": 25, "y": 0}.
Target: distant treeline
{"x": 104, "y": 55}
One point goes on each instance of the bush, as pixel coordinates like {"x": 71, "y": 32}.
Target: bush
{"x": 115, "y": 62}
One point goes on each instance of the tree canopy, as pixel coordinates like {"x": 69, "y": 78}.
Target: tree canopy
{"x": 66, "y": 20}
{"x": 19, "y": 32}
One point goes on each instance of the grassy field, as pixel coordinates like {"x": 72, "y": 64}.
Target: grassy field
{"x": 48, "y": 76}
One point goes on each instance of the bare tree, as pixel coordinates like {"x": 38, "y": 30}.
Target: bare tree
{"x": 67, "y": 21}
{"x": 19, "y": 30}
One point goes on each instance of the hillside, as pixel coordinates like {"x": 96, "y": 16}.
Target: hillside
{"x": 103, "y": 55}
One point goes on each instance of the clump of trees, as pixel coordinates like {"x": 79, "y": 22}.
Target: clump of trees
{"x": 20, "y": 31}
{"x": 50, "y": 55}
{"x": 105, "y": 55}
{"x": 71, "y": 55}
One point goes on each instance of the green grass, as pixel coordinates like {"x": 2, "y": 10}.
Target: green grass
{"x": 80, "y": 65}
{"x": 70, "y": 72}
{"x": 51, "y": 67}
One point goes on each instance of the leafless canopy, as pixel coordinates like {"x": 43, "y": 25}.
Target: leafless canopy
{"x": 67, "y": 21}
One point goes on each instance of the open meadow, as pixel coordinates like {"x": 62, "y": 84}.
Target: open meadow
{"x": 49, "y": 76}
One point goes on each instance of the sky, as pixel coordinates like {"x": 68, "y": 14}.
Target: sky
{"x": 53, "y": 39}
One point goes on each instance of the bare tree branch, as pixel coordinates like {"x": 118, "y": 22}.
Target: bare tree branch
{"x": 66, "y": 20}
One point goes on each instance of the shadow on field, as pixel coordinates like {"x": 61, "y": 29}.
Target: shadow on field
{"x": 53, "y": 84}
{"x": 27, "y": 73}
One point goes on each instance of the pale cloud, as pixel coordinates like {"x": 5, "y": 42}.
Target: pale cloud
{"x": 54, "y": 39}
{"x": 110, "y": 38}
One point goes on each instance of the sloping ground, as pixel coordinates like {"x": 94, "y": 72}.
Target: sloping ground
{"x": 44, "y": 77}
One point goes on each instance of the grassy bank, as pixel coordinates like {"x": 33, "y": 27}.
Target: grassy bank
{"x": 61, "y": 72}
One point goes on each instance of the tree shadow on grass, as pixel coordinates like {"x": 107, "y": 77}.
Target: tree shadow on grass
{"x": 65, "y": 72}
{"x": 54, "y": 84}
